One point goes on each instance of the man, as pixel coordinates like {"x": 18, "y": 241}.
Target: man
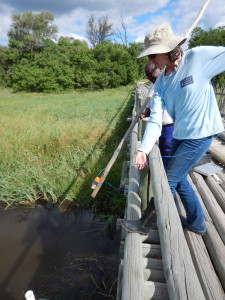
{"x": 185, "y": 90}
{"x": 152, "y": 73}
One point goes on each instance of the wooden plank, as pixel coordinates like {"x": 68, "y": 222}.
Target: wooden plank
{"x": 181, "y": 277}
{"x": 206, "y": 214}
{"x": 132, "y": 283}
{"x": 119, "y": 282}
{"x": 148, "y": 250}
{"x": 217, "y": 191}
{"x": 152, "y": 251}
{"x": 156, "y": 290}
{"x": 209, "y": 280}
{"x": 154, "y": 275}
{"x": 124, "y": 176}
{"x": 217, "y": 152}
{"x": 221, "y": 176}
{"x": 213, "y": 207}
{"x": 222, "y": 136}
{"x": 152, "y": 237}
{"x": 216, "y": 250}
{"x": 152, "y": 263}
{"x": 143, "y": 192}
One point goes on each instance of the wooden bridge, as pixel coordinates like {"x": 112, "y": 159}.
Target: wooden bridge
{"x": 172, "y": 263}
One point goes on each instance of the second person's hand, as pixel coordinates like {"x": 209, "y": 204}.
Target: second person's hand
{"x": 140, "y": 160}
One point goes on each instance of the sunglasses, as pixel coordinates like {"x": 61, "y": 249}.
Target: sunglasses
{"x": 151, "y": 56}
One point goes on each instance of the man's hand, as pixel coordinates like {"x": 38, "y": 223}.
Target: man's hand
{"x": 145, "y": 114}
{"x": 140, "y": 160}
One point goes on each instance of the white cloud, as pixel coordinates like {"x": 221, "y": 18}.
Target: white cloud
{"x": 5, "y": 16}
{"x": 139, "y": 15}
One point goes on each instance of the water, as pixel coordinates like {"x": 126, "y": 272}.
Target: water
{"x": 57, "y": 254}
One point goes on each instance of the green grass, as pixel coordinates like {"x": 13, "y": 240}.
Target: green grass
{"x": 52, "y": 146}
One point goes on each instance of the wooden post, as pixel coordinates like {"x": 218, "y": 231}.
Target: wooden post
{"x": 181, "y": 278}
{"x": 132, "y": 283}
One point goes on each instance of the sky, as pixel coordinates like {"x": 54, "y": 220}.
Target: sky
{"x": 139, "y": 16}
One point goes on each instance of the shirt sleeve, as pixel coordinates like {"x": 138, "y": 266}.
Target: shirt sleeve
{"x": 154, "y": 125}
{"x": 213, "y": 60}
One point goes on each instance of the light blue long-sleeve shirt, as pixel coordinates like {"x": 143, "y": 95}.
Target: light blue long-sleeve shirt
{"x": 188, "y": 96}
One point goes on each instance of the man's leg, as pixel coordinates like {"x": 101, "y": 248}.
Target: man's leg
{"x": 184, "y": 155}
{"x": 165, "y": 141}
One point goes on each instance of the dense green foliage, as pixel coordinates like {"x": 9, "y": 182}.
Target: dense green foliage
{"x": 69, "y": 64}
{"x": 54, "y": 145}
{"x": 215, "y": 37}
{"x": 33, "y": 62}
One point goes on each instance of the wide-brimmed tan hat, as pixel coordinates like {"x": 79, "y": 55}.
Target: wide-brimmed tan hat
{"x": 161, "y": 40}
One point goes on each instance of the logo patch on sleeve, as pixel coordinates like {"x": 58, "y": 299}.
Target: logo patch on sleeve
{"x": 186, "y": 81}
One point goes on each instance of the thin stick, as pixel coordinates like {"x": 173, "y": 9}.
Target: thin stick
{"x": 201, "y": 12}
{"x": 127, "y": 134}
{"x": 117, "y": 151}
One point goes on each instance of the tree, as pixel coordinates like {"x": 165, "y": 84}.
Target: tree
{"x": 214, "y": 37}
{"x": 99, "y": 32}
{"x": 32, "y": 29}
{"x": 122, "y": 34}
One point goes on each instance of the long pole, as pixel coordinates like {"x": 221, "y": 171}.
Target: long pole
{"x": 199, "y": 15}
{"x": 117, "y": 151}
{"x": 127, "y": 134}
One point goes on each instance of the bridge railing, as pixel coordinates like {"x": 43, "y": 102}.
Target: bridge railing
{"x": 182, "y": 280}
{"x": 220, "y": 94}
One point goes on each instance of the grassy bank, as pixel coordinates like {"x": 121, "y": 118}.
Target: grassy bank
{"x": 52, "y": 146}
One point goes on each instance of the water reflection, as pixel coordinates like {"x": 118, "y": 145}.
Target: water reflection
{"x": 57, "y": 254}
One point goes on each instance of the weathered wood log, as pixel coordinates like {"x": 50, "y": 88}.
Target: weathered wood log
{"x": 151, "y": 238}
{"x": 155, "y": 290}
{"x": 213, "y": 207}
{"x": 216, "y": 250}
{"x": 149, "y": 250}
{"x": 152, "y": 263}
{"x": 217, "y": 154}
{"x": 217, "y": 191}
{"x": 133, "y": 271}
{"x": 119, "y": 282}
{"x": 143, "y": 192}
{"x": 209, "y": 280}
{"x": 124, "y": 175}
{"x": 181, "y": 277}
{"x": 222, "y": 136}
{"x": 221, "y": 176}
{"x": 206, "y": 214}
{"x": 154, "y": 275}
{"x": 149, "y": 275}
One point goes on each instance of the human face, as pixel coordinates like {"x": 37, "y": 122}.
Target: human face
{"x": 153, "y": 73}
{"x": 160, "y": 60}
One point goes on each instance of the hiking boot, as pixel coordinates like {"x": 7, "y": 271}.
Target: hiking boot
{"x": 188, "y": 226}
{"x": 143, "y": 224}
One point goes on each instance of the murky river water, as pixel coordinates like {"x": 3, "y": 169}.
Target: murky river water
{"x": 57, "y": 254}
